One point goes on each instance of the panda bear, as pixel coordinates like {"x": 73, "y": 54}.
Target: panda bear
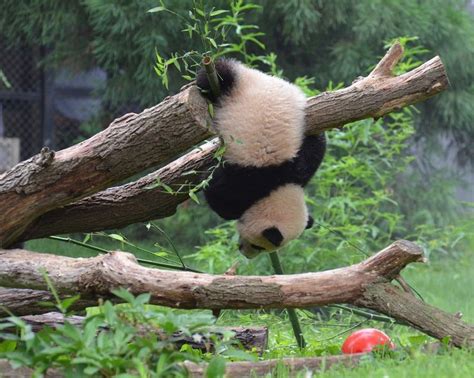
{"x": 267, "y": 160}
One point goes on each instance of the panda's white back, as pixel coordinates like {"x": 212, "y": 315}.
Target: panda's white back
{"x": 262, "y": 120}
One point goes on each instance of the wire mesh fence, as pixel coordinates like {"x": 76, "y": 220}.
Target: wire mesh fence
{"x": 39, "y": 107}
{"x": 20, "y": 103}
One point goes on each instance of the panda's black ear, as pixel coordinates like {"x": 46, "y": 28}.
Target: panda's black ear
{"x": 273, "y": 235}
{"x": 310, "y": 222}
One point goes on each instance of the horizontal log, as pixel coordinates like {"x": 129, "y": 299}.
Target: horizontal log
{"x": 29, "y": 301}
{"x": 98, "y": 276}
{"x": 371, "y": 97}
{"x": 245, "y": 369}
{"x": 364, "y": 284}
{"x": 249, "y": 337}
{"x": 233, "y": 369}
{"x": 7, "y": 371}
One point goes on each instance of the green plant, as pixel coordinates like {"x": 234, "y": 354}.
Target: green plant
{"x": 218, "y": 32}
{"x": 133, "y": 339}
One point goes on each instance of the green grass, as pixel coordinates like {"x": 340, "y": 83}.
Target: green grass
{"x": 447, "y": 284}
{"x": 455, "y": 363}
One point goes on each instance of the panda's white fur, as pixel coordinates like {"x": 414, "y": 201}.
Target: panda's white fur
{"x": 262, "y": 122}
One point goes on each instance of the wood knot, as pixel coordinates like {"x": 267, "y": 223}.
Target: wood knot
{"x": 45, "y": 157}
{"x": 435, "y": 88}
{"x": 357, "y": 79}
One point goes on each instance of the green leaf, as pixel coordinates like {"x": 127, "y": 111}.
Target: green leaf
{"x": 156, "y": 9}
{"x": 216, "y": 367}
{"x": 218, "y": 12}
{"x": 193, "y": 196}
{"x": 213, "y": 42}
{"x": 187, "y": 173}
{"x": 418, "y": 340}
{"x": 117, "y": 237}
{"x": 124, "y": 294}
{"x": 91, "y": 370}
{"x": 200, "y": 12}
{"x": 143, "y": 299}
{"x": 7, "y": 346}
{"x": 68, "y": 302}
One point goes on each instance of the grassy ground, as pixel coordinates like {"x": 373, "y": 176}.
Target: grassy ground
{"x": 446, "y": 283}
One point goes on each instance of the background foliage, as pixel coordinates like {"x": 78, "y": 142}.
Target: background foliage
{"x": 328, "y": 40}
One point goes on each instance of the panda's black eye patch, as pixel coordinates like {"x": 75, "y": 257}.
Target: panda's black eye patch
{"x": 257, "y": 247}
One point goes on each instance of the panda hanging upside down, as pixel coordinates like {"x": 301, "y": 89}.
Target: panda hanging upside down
{"x": 268, "y": 159}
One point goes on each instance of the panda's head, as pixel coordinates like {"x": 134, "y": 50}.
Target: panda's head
{"x": 273, "y": 221}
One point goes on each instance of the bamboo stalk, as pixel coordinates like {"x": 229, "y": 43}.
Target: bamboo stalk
{"x": 211, "y": 72}
{"x": 295, "y": 324}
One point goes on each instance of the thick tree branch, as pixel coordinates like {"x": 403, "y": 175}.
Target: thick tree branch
{"x": 29, "y": 301}
{"x": 135, "y": 202}
{"x": 364, "y": 284}
{"x": 373, "y": 96}
{"x": 129, "y": 145}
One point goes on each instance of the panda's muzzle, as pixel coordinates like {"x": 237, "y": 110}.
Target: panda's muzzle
{"x": 250, "y": 250}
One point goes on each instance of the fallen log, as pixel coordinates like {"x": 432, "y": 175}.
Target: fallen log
{"x": 248, "y": 337}
{"x": 292, "y": 366}
{"x": 49, "y": 181}
{"x": 7, "y": 371}
{"x": 364, "y": 284}
{"x": 232, "y": 369}
{"x": 28, "y": 301}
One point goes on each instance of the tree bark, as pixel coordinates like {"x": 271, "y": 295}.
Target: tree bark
{"x": 246, "y": 369}
{"x": 29, "y": 301}
{"x": 134, "y": 202}
{"x": 7, "y": 371}
{"x": 364, "y": 284}
{"x": 136, "y": 142}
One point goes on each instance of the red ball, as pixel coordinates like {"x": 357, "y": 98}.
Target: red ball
{"x": 365, "y": 340}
